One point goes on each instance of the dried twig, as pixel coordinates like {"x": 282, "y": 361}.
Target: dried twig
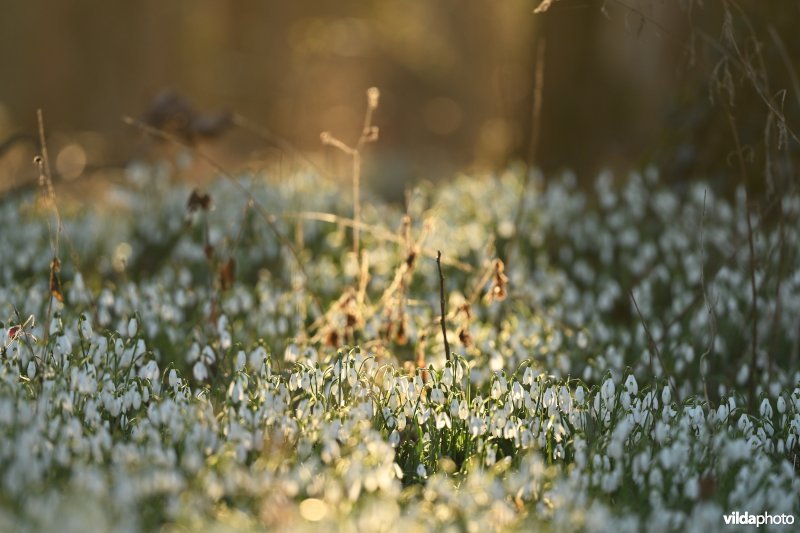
{"x": 712, "y": 315}
{"x": 653, "y": 347}
{"x": 533, "y": 148}
{"x": 442, "y": 304}
{"x": 751, "y": 248}
{"x": 369, "y": 134}
{"x": 46, "y": 183}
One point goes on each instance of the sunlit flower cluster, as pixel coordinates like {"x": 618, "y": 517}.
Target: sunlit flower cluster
{"x": 152, "y": 396}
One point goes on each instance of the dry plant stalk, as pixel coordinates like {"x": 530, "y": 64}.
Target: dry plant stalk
{"x": 442, "y": 321}
{"x": 369, "y": 134}
{"x": 712, "y": 315}
{"x": 533, "y": 148}
{"x": 653, "y": 346}
{"x": 751, "y": 250}
{"x": 42, "y": 163}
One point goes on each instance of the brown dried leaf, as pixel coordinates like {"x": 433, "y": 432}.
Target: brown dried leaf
{"x": 227, "y": 274}
{"x": 55, "y": 281}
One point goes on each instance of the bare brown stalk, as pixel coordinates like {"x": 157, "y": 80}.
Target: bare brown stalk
{"x": 751, "y": 248}
{"x": 653, "y": 347}
{"x": 712, "y": 315}
{"x": 443, "y": 320}
{"x": 46, "y": 183}
{"x": 533, "y": 148}
{"x": 369, "y": 134}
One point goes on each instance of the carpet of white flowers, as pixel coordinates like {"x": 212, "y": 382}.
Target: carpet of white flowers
{"x": 232, "y": 365}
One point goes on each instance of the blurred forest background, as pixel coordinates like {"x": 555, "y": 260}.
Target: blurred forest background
{"x": 626, "y": 84}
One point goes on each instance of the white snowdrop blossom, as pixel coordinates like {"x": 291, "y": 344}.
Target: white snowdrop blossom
{"x": 631, "y": 386}
{"x": 781, "y": 405}
{"x": 199, "y": 371}
{"x": 766, "y": 408}
{"x": 579, "y": 394}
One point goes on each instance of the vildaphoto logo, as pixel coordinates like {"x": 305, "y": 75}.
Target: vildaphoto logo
{"x": 764, "y": 519}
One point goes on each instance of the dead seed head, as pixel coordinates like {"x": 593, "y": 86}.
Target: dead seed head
{"x": 197, "y": 201}
{"x": 373, "y": 95}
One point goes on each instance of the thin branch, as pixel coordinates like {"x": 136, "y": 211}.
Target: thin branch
{"x": 442, "y": 304}
{"x": 369, "y": 134}
{"x": 751, "y": 249}
{"x": 533, "y": 148}
{"x": 653, "y": 347}
{"x": 712, "y": 316}
{"x": 46, "y": 183}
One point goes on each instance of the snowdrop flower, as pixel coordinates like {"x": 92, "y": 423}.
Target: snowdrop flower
{"x": 63, "y": 347}
{"x": 394, "y": 438}
{"x": 722, "y": 412}
{"x": 661, "y": 432}
{"x": 85, "y": 327}
{"x": 741, "y": 377}
{"x": 625, "y": 400}
{"x": 421, "y": 472}
{"x": 463, "y": 410}
{"x": 292, "y": 353}
{"x": 236, "y": 391}
{"x": 437, "y": 396}
{"x": 133, "y": 327}
{"x": 172, "y": 378}
{"x": 476, "y": 426}
{"x": 496, "y": 391}
{"x": 208, "y": 356}
{"x": 225, "y": 340}
{"x": 765, "y": 409}
{"x": 454, "y": 407}
{"x": 781, "y": 405}
{"x": 199, "y": 371}
{"x": 510, "y": 429}
{"x": 744, "y": 424}
{"x": 527, "y": 376}
{"x": 241, "y": 360}
{"x": 608, "y": 391}
{"x": 447, "y": 377}
{"x": 564, "y": 400}
{"x": 443, "y": 420}
{"x": 666, "y": 395}
{"x": 194, "y": 352}
{"x": 580, "y": 395}
{"x": 631, "y": 386}
{"x": 517, "y": 394}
